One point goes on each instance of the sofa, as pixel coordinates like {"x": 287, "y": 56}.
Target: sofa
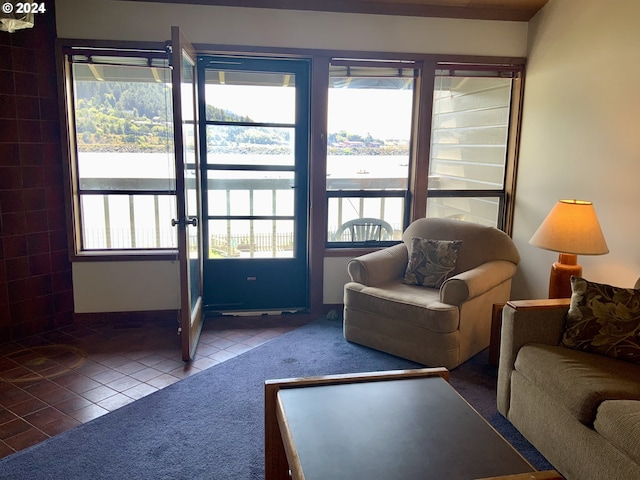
{"x": 437, "y": 315}
{"x": 573, "y": 394}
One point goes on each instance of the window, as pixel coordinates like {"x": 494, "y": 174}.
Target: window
{"x": 469, "y": 144}
{"x": 121, "y": 150}
{"x": 382, "y": 171}
{"x": 368, "y": 150}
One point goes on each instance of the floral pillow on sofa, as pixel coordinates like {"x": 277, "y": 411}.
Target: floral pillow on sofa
{"x": 431, "y": 262}
{"x": 604, "y": 319}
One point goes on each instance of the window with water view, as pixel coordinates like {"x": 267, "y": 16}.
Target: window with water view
{"x": 255, "y": 158}
{"x": 368, "y": 141}
{"x": 124, "y": 165}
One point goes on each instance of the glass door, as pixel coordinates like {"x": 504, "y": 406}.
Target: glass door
{"x": 255, "y": 152}
{"x": 184, "y": 79}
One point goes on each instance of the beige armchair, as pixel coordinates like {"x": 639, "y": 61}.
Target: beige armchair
{"x": 431, "y": 326}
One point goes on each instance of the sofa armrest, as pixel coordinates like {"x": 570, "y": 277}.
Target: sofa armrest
{"x": 523, "y": 322}
{"x": 380, "y": 266}
{"x": 472, "y": 283}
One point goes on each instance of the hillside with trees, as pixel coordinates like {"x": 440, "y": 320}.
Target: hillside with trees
{"x": 137, "y": 117}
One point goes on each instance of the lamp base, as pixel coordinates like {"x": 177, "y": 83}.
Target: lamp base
{"x": 561, "y": 272}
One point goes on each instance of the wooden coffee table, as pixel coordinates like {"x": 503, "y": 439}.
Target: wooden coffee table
{"x": 408, "y": 424}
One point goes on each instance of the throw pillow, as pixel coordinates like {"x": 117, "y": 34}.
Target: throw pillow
{"x": 603, "y": 319}
{"x": 431, "y": 262}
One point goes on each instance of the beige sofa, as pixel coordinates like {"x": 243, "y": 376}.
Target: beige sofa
{"x": 433, "y": 326}
{"x": 579, "y": 409}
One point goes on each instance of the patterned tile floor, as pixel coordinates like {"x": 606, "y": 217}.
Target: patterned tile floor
{"x": 55, "y": 381}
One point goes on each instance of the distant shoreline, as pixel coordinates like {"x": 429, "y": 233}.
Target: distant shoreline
{"x": 246, "y": 149}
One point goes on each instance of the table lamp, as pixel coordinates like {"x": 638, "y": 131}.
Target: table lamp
{"x": 571, "y": 228}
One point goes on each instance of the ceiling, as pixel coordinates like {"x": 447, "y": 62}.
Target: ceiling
{"x": 511, "y": 10}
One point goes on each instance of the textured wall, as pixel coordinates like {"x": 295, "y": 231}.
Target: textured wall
{"x": 36, "y": 292}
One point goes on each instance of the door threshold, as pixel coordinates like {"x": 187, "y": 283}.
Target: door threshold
{"x": 255, "y": 313}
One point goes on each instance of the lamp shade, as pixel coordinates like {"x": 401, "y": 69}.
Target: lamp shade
{"x": 571, "y": 227}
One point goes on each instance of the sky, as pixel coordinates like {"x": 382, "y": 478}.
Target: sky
{"x": 385, "y": 114}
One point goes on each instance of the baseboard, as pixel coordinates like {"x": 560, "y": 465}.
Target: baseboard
{"x": 135, "y": 319}
{"x": 138, "y": 319}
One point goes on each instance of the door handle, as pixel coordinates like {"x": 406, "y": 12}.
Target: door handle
{"x": 186, "y": 221}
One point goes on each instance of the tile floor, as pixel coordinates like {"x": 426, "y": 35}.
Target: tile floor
{"x": 55, "y": 381}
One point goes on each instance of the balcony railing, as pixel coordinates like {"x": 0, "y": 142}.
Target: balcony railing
{"x": 127, "y": 224}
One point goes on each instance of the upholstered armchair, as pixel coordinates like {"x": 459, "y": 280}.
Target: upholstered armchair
{"x": 434, "y": 326}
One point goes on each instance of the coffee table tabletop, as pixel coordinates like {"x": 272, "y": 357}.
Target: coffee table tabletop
{"x": 406, "y": 428}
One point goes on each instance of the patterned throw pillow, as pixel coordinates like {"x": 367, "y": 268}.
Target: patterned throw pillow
{"x": 603, "y": 319}
{"x": 431, "y": 262}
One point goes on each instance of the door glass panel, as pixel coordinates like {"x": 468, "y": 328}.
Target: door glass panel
{"x": 190, "y": 173}
{"x": 251, "y": 238}
{"x": 250, "y": 145}
{"x": 250, "y": 162}
{"x": 250, "y": 97}
{"x": 269, "y": 195}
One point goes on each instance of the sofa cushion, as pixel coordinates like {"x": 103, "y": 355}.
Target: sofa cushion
{"x": 404, "y": 303}
{"x": 619, "y": 422}
{"x": 577, "y": 380}
{"x": 604, "y": 319}
{"x": 431, "y": 262}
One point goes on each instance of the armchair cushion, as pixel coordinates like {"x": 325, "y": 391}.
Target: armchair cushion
{"x": 414, "y": 305}
{"x": 604, "y": 319}
{"x": 431, "y": 262}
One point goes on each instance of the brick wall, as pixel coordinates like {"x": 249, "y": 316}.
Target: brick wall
{"x": 36, "y": 292}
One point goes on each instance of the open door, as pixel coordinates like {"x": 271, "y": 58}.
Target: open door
{"x": 185, "y": 121}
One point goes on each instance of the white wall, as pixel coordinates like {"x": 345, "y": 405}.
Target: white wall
{"x": 580, "y": 134}
{"x": 128, "y": 20}
{"x": 124, "y": 286}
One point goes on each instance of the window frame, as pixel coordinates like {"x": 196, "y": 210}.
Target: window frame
{"x": 74, "y": 192}
{"x": 369, "y": 66}
{"x": 505, "y": 209}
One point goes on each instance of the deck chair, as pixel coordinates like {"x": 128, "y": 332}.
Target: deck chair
{"x": 365, "y": 230}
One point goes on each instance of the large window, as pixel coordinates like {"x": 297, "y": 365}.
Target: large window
{"x": 122, "y": 164}
{"x": 469, "y": 144}
{"x": 405, "y": 138}
{"x": 368, "y": 150}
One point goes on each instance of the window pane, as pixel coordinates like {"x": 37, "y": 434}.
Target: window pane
{"x": 250, "y": 97}
{"x": 482, "y": 210}
{"x": 389, "y": 210}
{"x": 128, "y": 221}
{"x": 251, "y": 239}
{"x": 105, "y": 170}
{"x": 469, "y": 133}
{"x": 243, "y": 145}
{"x": 369, "y": 128}
{"x": 124, "y": 142}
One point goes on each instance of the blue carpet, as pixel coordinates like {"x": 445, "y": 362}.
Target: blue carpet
{"x": 211, "y": 425}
